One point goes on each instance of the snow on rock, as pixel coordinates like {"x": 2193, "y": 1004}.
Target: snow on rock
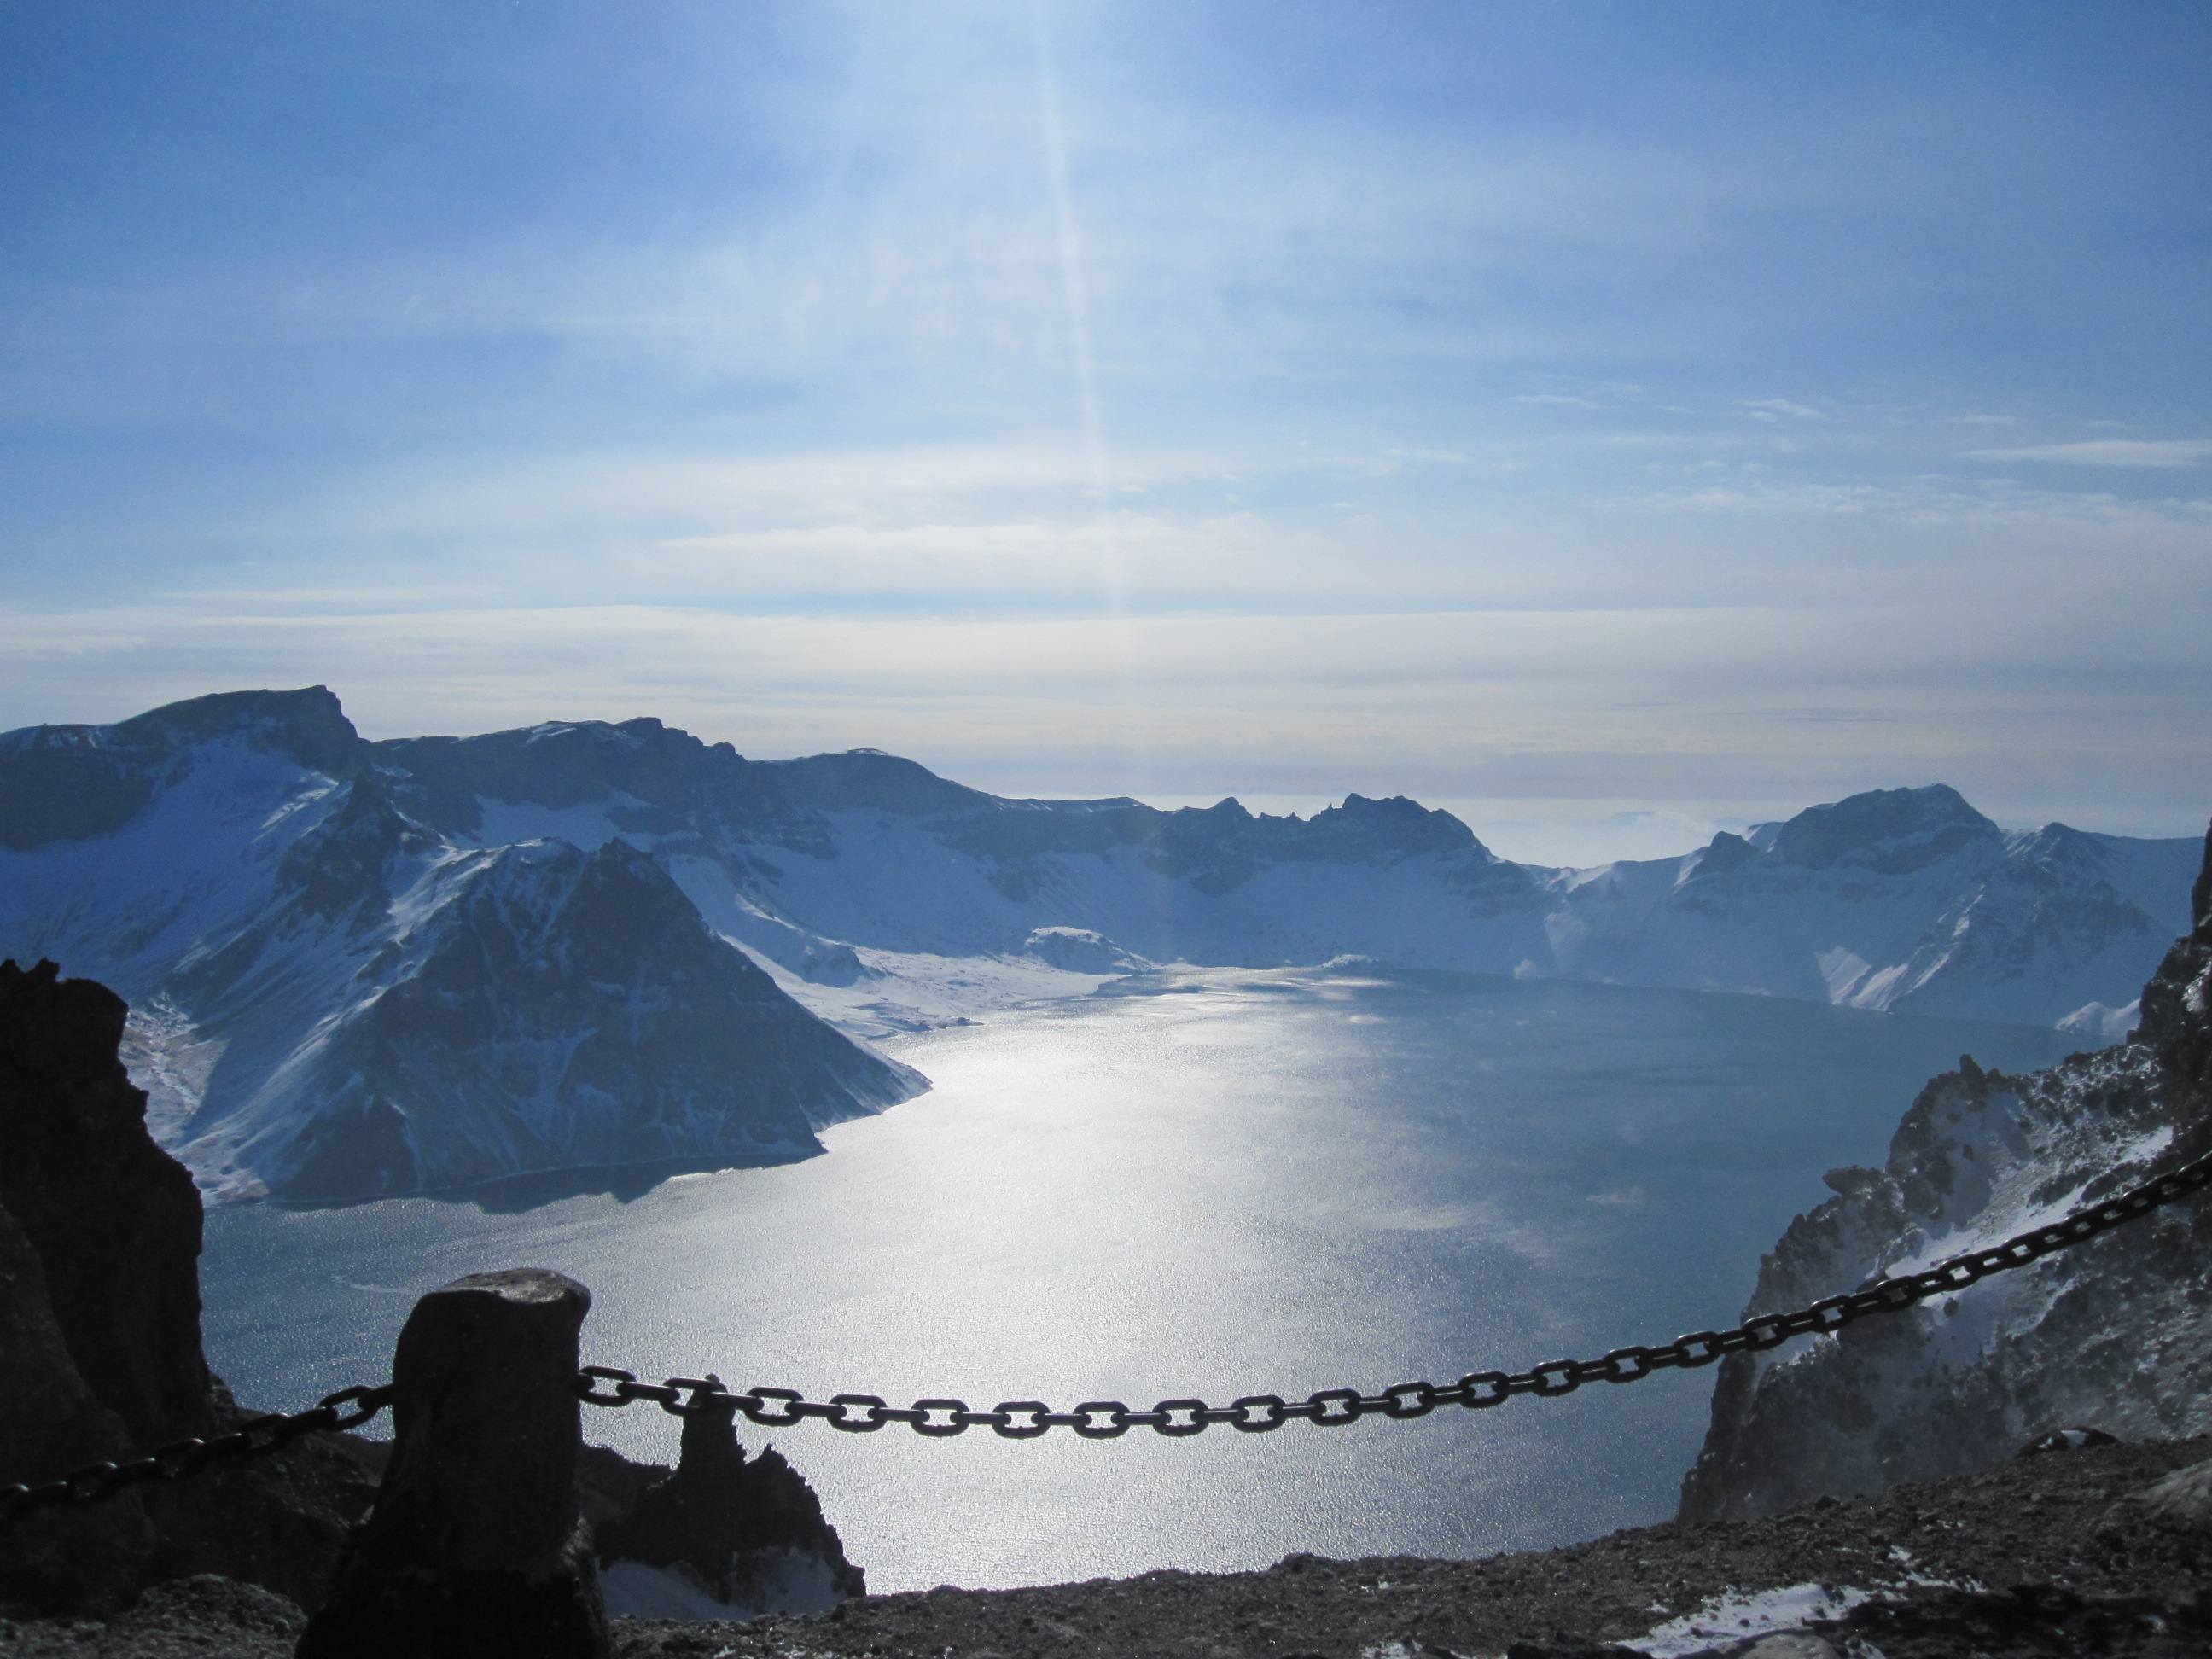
{"x": 2112, "y": 1334}
{"x": 2102, "y": 1026}
{"x": 1081, "y": 951}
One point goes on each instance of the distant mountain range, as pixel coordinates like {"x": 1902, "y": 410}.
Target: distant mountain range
{"x": 358, "y": 968}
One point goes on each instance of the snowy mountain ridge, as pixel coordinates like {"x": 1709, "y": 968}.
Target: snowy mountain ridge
{"x": 320, "y": 934}
{"x": 885, "y": 896}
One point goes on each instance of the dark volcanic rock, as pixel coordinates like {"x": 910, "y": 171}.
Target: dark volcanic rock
{"x": 2078, "y": 1567}
{"x": 114, "y": 1218}
{"x": 2090, "y": 1585}
{"x": 66, "y": 1557}
{"x": 730, "y": 1523}
{"x": 100, "y": 1242}
{"x": 476, "y": 1544}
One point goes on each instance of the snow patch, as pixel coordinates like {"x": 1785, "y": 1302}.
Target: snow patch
{"x": 1736, "y": 1614}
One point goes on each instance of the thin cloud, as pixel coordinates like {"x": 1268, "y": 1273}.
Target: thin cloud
{"x": 1773, "y": 409}
{"x": 2156, "y": 453}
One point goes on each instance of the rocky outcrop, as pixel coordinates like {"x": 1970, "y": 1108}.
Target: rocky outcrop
{"x": 113, "y": 1217}
{"x": 1081, "y": 951}
{"x": 748, "y": 1533}
{"x": 100, "y": 1335}
{"x": 65, "y": 1557}
{"x": 2115, "y": 1333}
{"x": 476, "y": 1544}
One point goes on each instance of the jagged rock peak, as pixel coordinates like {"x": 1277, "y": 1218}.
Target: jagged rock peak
{"x": 342, "y": 863}
{"x": 1402, "y": 824}
{"x": 1892, "y": 830}
{"x": 731, "y": 1524}
{"x": 1726, "y": 852}
{"x": 2177, "y": 1004}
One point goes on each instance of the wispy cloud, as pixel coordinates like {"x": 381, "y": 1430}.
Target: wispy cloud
{"x": 1774, "y": 409}
{"x": 2155, "y": 454}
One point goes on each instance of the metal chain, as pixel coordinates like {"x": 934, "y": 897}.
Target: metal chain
{"x": 1259, "y": 1413}
{"x": 1108, "y": 1419}
{"x": 257, "y": 1436}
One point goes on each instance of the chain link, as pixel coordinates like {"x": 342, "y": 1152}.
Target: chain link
{"x": 1259, "y": 1413}
{"x": 1110, "y": 1420}
{"x": 257, "y": 1436}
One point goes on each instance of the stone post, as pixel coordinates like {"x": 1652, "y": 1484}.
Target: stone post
{"x": 475, "y": 1546}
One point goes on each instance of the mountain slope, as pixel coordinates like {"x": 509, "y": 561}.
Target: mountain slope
{"x": 2112, "y": 1334}
{"x": 333, "y": 1001}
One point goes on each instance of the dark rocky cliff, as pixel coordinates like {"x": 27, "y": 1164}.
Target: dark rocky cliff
{"x": 99, "y": 1243}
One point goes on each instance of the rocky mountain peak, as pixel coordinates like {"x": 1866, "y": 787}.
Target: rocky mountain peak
{"x": 1892, "y": 831}
{"x": 866, "y": 779}
{"x": 1726, "y": 852}
{"x": 1394, "y": 825}
{"x": 74, "y": 782}
{"x": 306, "y": 725}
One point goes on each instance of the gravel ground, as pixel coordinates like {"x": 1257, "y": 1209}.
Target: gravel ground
{"x": 2052, "y": 1521}
{"x": 2046, "y": 1556}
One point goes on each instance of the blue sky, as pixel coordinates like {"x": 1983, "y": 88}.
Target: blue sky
{"x": 1554, "y": 412}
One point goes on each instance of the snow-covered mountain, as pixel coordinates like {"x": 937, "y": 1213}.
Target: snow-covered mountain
{"x": 2113, "y": 1334}
{"x": 315, "y": 930}
{"x": 884, "y": 895}
{"x": 1907, "y": 899}
{"x": 332, "y": 1001}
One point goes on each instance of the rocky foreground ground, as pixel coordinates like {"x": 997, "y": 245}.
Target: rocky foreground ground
{"x": 2102, "y": 1551}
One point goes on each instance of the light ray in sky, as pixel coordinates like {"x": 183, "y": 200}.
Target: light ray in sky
{"x": 1294, "y": 344}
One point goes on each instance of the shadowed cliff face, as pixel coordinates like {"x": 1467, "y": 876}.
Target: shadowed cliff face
{"x": 113, "y": 1217}
{"x": 100, "y": 1333}
{"x": 2116, "y": 1333}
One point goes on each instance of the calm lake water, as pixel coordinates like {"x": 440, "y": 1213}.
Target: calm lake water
{"x": 1224, "y": 1183}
